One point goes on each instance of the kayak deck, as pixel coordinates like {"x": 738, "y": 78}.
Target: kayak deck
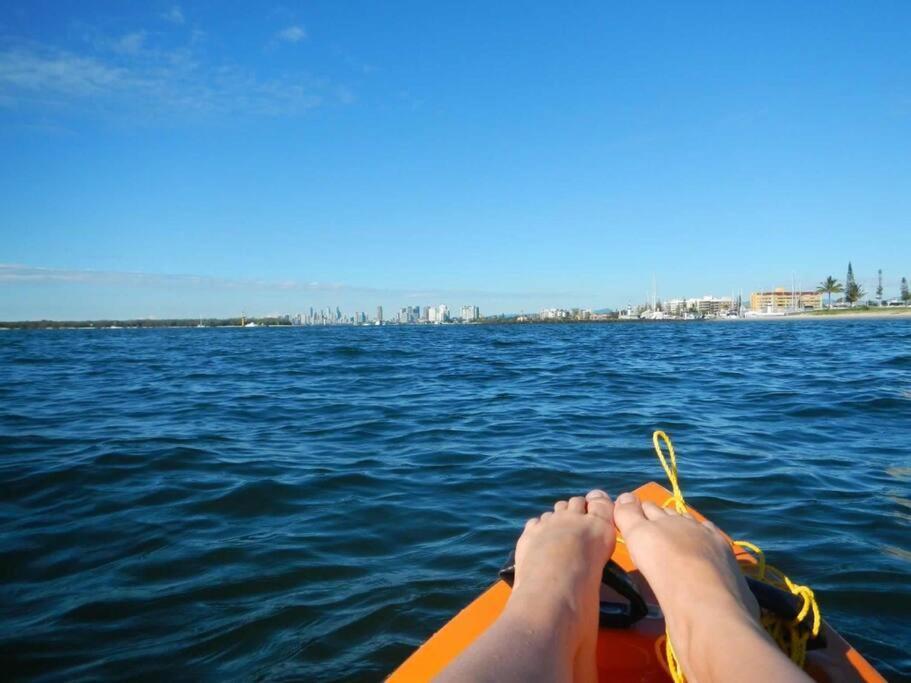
{"x": 632, "y": 654}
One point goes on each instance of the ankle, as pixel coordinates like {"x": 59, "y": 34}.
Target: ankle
{"x": 542, "y": 611}
{"x": 696, "y": 639}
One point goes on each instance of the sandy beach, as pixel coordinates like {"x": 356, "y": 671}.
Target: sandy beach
{"x": 840, "y": 314}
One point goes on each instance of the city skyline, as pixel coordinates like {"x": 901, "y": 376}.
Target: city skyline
{"x": 406, "y": 315}
{"x": 82, "y": 293}
{"x": 189, "y": 159}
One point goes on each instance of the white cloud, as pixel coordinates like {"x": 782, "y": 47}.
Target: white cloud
{"x": 174, "y": 15}
{"x": 293, "y": 34}
{"x": 130, "y": 44}
{"x": 16, "y": 274}
{"x": 142, "y": 81}
{"x": 22, "y": 274}
{"x": 26, "y": 72}
{"x": 344, "y": 94}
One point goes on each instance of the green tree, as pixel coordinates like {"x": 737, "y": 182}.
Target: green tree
{"x": 853, "y": 291}
{"x": 906, "y": 295}
{"x": 830, "y": 286}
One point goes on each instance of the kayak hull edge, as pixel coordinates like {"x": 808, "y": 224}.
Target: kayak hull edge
{"x": 633, "y": 654}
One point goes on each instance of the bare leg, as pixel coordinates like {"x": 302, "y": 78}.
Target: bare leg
{"x": 711, "y": 615}
{"x": 549, "y": 628}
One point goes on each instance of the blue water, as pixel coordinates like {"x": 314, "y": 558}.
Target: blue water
{"x": 310, "y": 504}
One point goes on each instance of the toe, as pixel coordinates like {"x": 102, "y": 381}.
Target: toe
{"x": 546, "y": 516}
{"x": 628, "y": 513}
{"x": 530, "y": 523}
{"x": 560, "y": 505}
{"x": 652, "y": 511}
{"x": 576, "y": 504}
{"x": 600, "y": 505}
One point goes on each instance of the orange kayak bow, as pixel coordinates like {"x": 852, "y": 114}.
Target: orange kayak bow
{"x": 632, "y": 653}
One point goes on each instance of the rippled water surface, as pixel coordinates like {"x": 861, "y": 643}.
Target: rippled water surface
{"x": 313, "y": 503}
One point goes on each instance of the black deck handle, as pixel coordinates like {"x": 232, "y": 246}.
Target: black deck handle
{"x": 785, "y": 605}
{"x": 623, "y": 615}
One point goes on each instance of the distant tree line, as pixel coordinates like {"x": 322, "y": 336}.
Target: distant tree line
{"x": 854, "y": 292}
{"x": 176, "y": 322}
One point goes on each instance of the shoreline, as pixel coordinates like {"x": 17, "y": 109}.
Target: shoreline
{"x": 852, "y": 315}
{"x": 837, "y": 314}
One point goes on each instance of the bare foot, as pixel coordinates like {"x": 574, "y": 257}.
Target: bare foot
{"x": 559, "y": 560}
{"x": 712, "y": 617}
{"x": 549, "y": 628}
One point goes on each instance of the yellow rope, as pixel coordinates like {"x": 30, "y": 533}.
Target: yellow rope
{"x": 669, "y": 470}
{"x": 790, "y": 637}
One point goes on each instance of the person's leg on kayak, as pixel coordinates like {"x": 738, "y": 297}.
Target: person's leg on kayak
{"x": 549, "y": 628}
{"x": 712, "y": 617}
{"x": 547, "y": 631}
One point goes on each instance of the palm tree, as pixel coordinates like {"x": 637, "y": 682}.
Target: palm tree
{"x": 854, "y": 293}
{"x": 830, "y": 286}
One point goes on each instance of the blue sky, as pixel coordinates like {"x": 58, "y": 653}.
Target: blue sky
{"x": 161, "y": 159}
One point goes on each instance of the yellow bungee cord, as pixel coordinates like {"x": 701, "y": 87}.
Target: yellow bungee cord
{"x": 790, "y": 637}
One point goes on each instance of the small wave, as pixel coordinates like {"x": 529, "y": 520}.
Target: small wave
{"x": 311, "y": 506}
{"x": 879, "y": 404}
{"x": 253, "y": 499}
{"x": 511, "y": 343}
{"x": 348, "y": 351}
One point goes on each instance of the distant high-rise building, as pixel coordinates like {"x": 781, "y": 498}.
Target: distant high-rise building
{"x": 379, "y": 314}
{"x": 470, "y": 313}
{"x": 782, "y": 299}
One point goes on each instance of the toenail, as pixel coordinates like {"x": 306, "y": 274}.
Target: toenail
{"x": 597, "y": 493}
{"x": 626, "y": 498}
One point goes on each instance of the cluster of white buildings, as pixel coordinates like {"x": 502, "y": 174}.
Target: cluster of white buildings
{"x": 565, "y": 314}
{"x": 686, "y": 309}
{"x": 407, "y": 315}
{"x": 328, "y": 316}
{"x": 706, "y": 306}
{"x": 437, "y": 314}
{"x": 412, "y": 315}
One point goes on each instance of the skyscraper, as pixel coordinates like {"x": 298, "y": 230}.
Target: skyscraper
{"x": 470, "y": 313}
{"x": 379, "y": 314}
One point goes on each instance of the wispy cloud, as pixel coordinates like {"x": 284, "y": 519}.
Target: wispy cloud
{"x": 44, "y": 75}
{"x": 174, "y": 15}
{"x": 17, "y": 274}
{"x": 292, "y": 34}
{"x": 23, "y": 274}
{"x": 131, "y": 43}
{"x": 128, "y": 75}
